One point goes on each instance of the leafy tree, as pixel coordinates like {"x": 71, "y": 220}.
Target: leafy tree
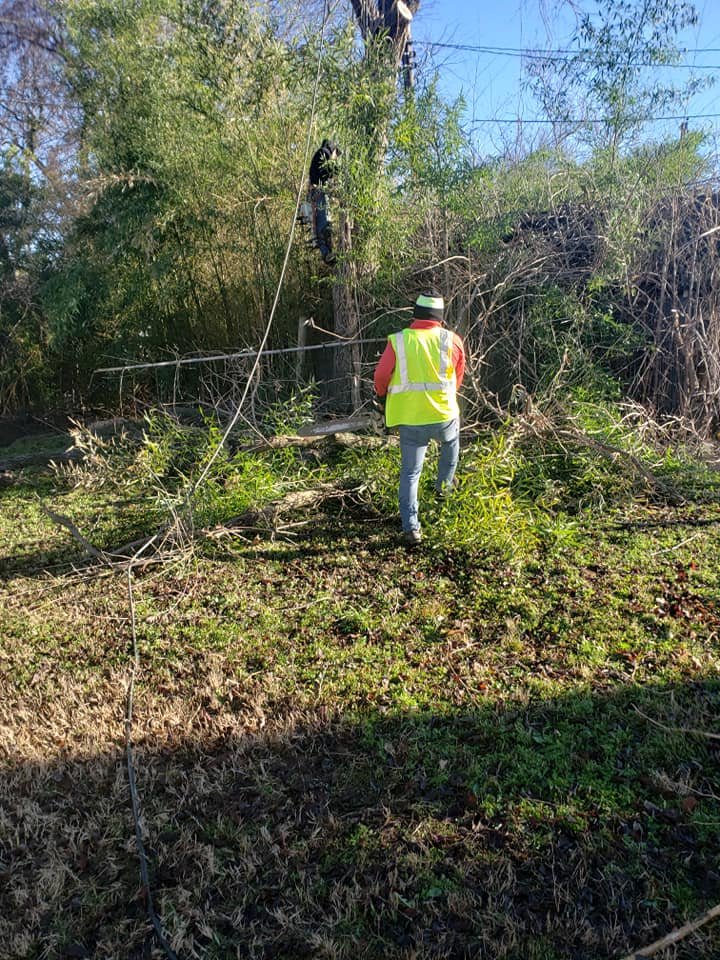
{"x": 611, "y": 80}
{"x": 38, "y": 191}
{"x": 192, "y": 123}
{"x": 33, "y": 372}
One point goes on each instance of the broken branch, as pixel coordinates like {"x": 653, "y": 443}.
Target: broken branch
{"x": 675, "y": 937}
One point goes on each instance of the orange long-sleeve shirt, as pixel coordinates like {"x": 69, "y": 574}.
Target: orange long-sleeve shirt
{"x": 386, "y": 363}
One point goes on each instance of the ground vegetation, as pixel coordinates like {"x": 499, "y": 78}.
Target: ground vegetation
{"x": 502, "y": 744}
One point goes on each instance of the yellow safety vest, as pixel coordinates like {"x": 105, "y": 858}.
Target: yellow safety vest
{"x": 422, "y": 386}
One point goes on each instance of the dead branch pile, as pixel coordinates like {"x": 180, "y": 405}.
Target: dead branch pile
{"x": 566, "y": 242}
{"x": 677, "y": 306}
{"x": 525, "y": 310}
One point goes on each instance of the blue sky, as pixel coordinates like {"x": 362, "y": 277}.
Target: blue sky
{"x": 492, "y": 83}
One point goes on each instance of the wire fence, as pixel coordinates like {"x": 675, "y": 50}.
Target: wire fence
{"x": 267, "y": 378}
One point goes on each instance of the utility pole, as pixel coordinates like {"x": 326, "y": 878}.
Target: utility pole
{"x": 384, "y": 24}
{"x": 391, "y": 20}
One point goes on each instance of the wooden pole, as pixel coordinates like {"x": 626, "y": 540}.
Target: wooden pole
{"x": 347, "y": 322}
{"x": 301, "y": 342}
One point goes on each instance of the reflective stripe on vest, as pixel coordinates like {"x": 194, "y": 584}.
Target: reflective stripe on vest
{"x": 446, "y": 384}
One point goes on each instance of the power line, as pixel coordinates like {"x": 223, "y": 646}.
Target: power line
{"x": 188, "y": 500}
{"x": 564, "y": 56}
{"x": 593, "y": 120}
{"x": 561, "y": 55}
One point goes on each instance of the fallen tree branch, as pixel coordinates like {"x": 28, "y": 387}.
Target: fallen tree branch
{"x": 675, "y": 937}
{"x": 616, "y": 454}
{"x": 277, "y": 443}
{"x": 269, "y": 515}
{"x": 534, "y": 422}
{"x": 258, "y": 520}
{"x": 66, "y": 522}
{"x": 116, "y": 556}
{"x": 333, "y": 439}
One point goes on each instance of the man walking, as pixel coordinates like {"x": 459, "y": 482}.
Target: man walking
{"x": 417, "y": 379}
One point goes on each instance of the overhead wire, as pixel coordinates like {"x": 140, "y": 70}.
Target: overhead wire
{"x": 130, "y": 763}
{"x": 577, "y": 121}
{"x": 561, "y": 55}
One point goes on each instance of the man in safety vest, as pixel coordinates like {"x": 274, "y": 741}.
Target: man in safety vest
{"x": 417, "y": 379}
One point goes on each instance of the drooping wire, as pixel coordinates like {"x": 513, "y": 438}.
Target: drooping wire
{"x": 132, "y": 781}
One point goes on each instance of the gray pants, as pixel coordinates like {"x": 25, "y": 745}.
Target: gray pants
{"x": 413, "y": 447}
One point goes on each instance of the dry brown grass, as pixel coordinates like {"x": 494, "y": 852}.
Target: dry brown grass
{"x": 306, "y": 775}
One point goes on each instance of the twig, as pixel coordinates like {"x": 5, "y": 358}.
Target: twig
{"x": 115, "y": 556}
{"x": 674, "y": 522}
{"x": 675, "y": 937}
{"x": 66, "y": 522}
{"x": 692, "y": 730}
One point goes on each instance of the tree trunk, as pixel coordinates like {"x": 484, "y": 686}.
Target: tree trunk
{"x": 346, "y": 385}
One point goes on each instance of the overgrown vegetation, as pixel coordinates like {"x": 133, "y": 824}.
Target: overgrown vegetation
{"x": 183, "y": 150}
{"x": 502, "y": 744}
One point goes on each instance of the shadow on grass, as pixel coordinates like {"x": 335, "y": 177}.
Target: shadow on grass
{"x": 572, "y": 828}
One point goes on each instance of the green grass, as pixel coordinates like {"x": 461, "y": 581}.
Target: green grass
{"x": 493, "y": 746}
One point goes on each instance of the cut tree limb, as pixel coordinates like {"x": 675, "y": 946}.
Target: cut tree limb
{"x": 66, "y": 522}
{"x": 258, "y": 520}
{"x": 112, "y": 557}
{"x": 268, "y": 516}
{"x": 616, "y": 454}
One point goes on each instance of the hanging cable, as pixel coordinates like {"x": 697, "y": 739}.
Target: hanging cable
{"x": 132, "y": 782}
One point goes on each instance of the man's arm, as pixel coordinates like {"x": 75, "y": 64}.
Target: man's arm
{"x": 384, "y": 370}
{"x": 458, "y": 360}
